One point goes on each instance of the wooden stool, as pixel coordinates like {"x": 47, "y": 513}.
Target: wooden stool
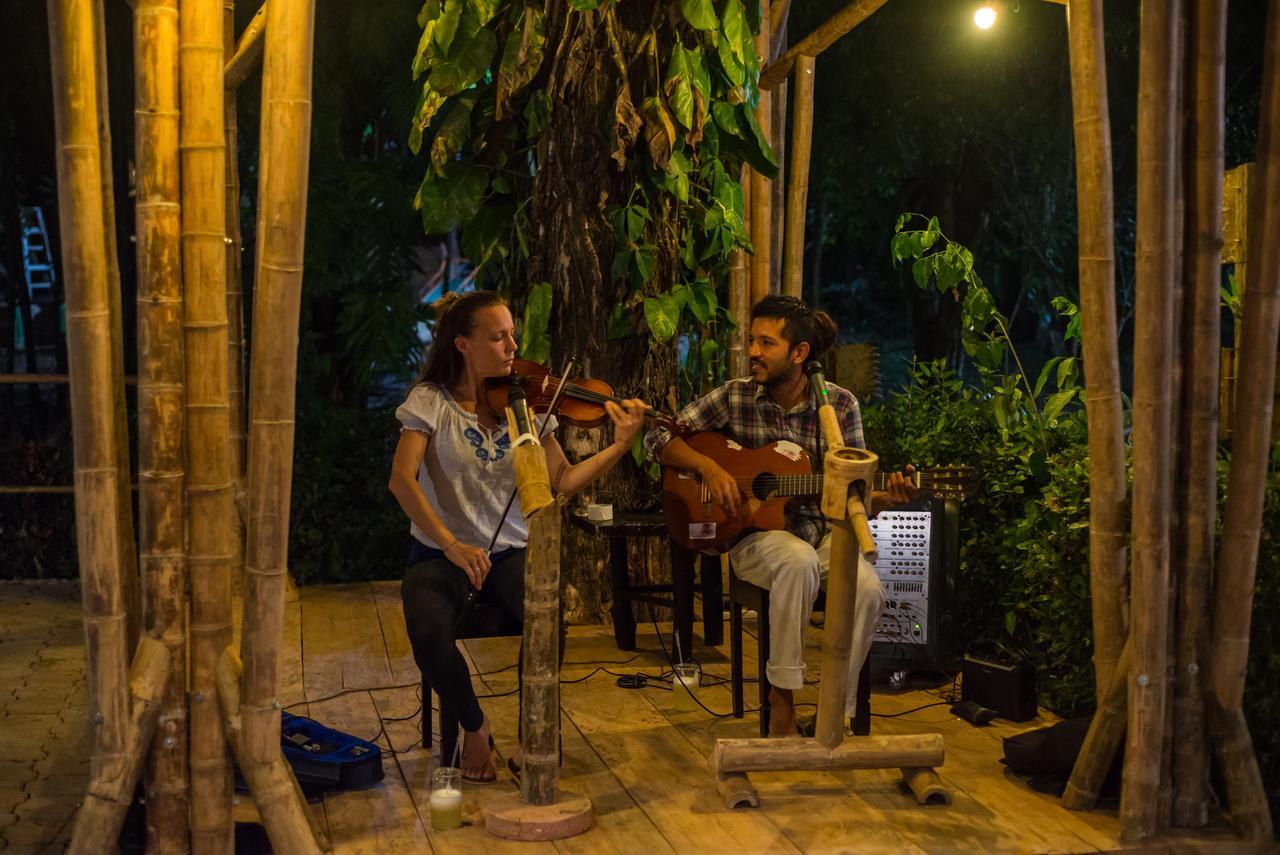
{"x": 482, "y": 620}
{"x": 744, "y": 595}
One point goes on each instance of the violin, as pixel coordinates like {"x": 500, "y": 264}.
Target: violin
{"x": 581, "y": 404}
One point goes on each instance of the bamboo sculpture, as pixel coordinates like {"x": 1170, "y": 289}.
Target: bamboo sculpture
{"x": 540, "y": 811}
{"x": 1151, "y": 421}
{"x": 798, "y": 188}
{"x": 761, "y": 187}
{"x": 251, "y": 705}
{"x": 1238, "y": 552}
{"x": 122, "y": 725}
{"x": 1199, "y": 419}
{"x": 209, "y": 475}
{"x": 160, "y": 406}
{"x": 1103, "y": 408}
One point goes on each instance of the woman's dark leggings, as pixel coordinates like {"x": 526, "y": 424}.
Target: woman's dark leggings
{"x": 434, "y": 594}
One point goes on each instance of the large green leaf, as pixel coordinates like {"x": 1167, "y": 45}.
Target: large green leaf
{"x": 702, "y": 300}
{"x": 663, "y": 314}
{"x": 485, "y": 9}
{"x": 487, "y": 237}
{"x": 447, "y": 25}
{"x": 659, "y": 132}
{"x": 535, "y": 339}
{"x": 452, "y": 133}
{"x": 619, "y": 325}
{"x": 737, "y": 32}
{"x": 428, "y": 103}
{"x": 470, "y": 52}
{"x": 699, "y": 13}
{"x": 678, "y": 86}
{"x": 537, "y": 113}
{"x": 760, "y": 155}
{"x": 450, "y": 200}
{"x": 521, "y": 57}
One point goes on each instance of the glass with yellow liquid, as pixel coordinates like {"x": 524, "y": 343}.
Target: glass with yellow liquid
{"x": 446, "y": 798}
{"x": 684, "y": 686}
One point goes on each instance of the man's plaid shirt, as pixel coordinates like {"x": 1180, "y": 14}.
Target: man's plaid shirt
{"x": 743, "y": 410}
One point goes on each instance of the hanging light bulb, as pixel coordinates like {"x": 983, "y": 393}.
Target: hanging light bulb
{"x": 985, "y": 17}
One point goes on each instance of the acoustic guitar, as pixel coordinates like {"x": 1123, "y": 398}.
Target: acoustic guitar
{"x": 768, "y": 476}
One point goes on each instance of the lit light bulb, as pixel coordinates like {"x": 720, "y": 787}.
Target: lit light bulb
{"x": 985, "y": 17}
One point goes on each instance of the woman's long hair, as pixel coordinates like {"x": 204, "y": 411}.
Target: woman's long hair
{"x": 455, "y": 316}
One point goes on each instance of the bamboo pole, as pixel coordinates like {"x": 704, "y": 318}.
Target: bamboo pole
{"x": 127, "y": 545}
{"x": 798, "y": 189}
{"x": 761, "y": 188}
{"x": 160, "y": 406}
{"x": 1238, "y": 550}
{"x": 1157, "y": 81}
{"x": 831, "y": 31}
{"x": 246, "y": 53}
{"x": 1103, "y": 407}
{"x": 209, "y": 475}
{"x": 778, "y": 139}
{"x": 1199, "y": 420}
{"x": 282, "y": 207}
{"x": 1106, "y": 730}
{"x": 910, "y": 751}
{"x": 739, "y": 310}
{"x": 235, "y": 302}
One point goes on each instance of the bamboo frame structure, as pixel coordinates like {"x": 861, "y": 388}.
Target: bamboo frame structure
{"x": 235, "y": 299}
{"x": 1241, "y": 529}
{"x": 161, "y": 472}
{"x": 1199, "y": 416}
{"x": 798, "y": 188}
{"x": 282, "y": 200}
{"x": 209, "y": 476}
{"x": 245, "y": 53}
{"x": 830, "y": 32}
{"x": 1103, "y": 406}
{"x": 1151, "y": 421}
{"x": 762, "y": 187}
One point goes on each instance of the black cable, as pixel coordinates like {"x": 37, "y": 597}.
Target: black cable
{"x": 908, "y": 712}
{"x": 654, "y": 618}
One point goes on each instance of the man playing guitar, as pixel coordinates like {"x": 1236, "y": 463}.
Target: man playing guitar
{"x": 776, "y": 403}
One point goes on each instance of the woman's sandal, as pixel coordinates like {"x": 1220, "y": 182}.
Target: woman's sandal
{"x": 515, "y": 768}
{"x": 482, "y": 779}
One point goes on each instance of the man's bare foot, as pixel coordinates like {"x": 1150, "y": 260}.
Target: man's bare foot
{"x": 782, "y": 712}
{"x": 477, "y": 755}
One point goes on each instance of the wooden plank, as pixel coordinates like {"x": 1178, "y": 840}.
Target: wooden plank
{"x": 386, "y": 597}
{"x": 341, "y": 640}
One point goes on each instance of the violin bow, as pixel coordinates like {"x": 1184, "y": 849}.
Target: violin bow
{"x": 473, "y": 592}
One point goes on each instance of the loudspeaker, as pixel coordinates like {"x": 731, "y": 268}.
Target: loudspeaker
{"x": 1009, "y": 688}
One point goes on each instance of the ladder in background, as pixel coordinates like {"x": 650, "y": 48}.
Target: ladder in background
{"x": 37, "y": 260}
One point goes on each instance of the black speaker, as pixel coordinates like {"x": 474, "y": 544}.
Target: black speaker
{"x": 1009, "y": 688}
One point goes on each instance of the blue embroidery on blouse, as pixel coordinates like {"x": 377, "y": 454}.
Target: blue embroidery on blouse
{"x": 499, "y": 450}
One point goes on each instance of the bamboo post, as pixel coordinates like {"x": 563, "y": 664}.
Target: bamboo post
{"x": 908, "y": 751}
{"x": 209, "y": 475}
{"x": 282, "y": 207}
{"x": 160, "y": 406}
{"x": 1104, "y": 736}
{"x": 539, "y": 811}
{"x": 831, "y": 31}
{"x": 1199, "y": 420}
{"x": 739, "y": 311}
{"x": 798, "y": 189}
{"x": 1103, "y": 408}
{"x": 235, "y": 300}
{"x": 246, "y": 53}
{"x": 761, "y": 187}
{"x": 1157, "y": 81}
{"x": 1238, "y": 550}
{"x": 128, "y": 548}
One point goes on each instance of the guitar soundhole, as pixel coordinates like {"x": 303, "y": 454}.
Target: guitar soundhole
{"x": 764, "y": 485}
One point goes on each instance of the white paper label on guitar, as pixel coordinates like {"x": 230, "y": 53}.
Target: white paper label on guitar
{"x": 788, "y": 449}
{"x": 702, "y": 531}
{"x": 732, "y": 446}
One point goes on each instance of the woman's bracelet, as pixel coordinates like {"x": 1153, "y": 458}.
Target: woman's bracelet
{"x": 451, "y": 545}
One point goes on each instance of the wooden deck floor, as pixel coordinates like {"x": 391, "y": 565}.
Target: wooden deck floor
{"x": 348, "y": 664}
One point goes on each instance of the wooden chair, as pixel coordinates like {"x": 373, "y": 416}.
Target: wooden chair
{"x": 744, "y": 595}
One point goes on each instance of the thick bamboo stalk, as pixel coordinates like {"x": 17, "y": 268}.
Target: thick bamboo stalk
{"x": 761, "y": 187}
{"x": 209, "y": 475}
{"x": 739, "y": 311}
{"x": 246, "y": 53}
{"x": 831, "y": 31}
{"x": 160, "y": 406}
{"x": 837, "y": 635}
{"x": 282, "y": 207}
{"x": 778, "y": 185}
{"x": 275, "y": 790}
{"x": 1157, "y": 81}
{"x": 127, "y": 545}
{"x": 1199, "y": 420}
{"x": 1106, "y": 730}
{"x": 112, "y": 783}
{"x": 800, "y": 754}
{"x": 1103, "y": 407}
{"x": 798, "y": 189}
{"x": 235, "y": 306}
{"x": 540, "y": 777}
{"x": 1241, "y": 528}
{"x": 72, "y": 48}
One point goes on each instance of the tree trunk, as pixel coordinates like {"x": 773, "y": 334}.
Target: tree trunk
{"x": 1157, "y": 82}
{"x": 209, "y": 475}
{"x": 160, "y": 406}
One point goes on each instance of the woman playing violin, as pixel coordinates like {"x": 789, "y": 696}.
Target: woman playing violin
{"x": 452, "y": 475}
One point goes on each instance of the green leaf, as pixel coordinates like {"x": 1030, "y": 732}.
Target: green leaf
{"x": 663, "y": 314}
{"x": 1045, "y": 372}
{"x": 450, "y": 200}
{"x": 923, "y": 269}
{"x": 584, "y": 5}
{"x": 447, "y": 25}
{"x": 702, "y": 300}
{"x": 1010, "y": 622}
{"x": 619, "y": 325}
{"x": 677, "y": 178}
{"x": 470, "y": 52}
{"x": 756, "y": 151}
{"x": 730, "y": 46}
{"x": 679, "y": 87}
{"x": 522, "y": 56}
{"x": 700, "y": 14}
{"x": 535, "y": 341}
{"x": 1067, "y": 372}
{"x": 644, "y": 259}
{"x": 636, "y": 218}
{"x": 428, "y": 103}
{"x": 709, "y": 349}
{"x": 452, "y": 132}
{"x": 621, "y": 264}
{"x": 487, "y": 237}
{"x": 538, "y": 113}
{"x": 1056, "y": 402}
{"x": 485, "y": 9}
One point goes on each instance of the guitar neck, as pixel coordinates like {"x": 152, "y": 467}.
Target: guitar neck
{"x": 811, "y": 484}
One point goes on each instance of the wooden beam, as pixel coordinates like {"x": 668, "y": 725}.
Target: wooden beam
{"x": 795, "y": 753}
{"x": 248, "y": 52}
{"x": 839, "y": 25}
{"x": 798, "y": 188}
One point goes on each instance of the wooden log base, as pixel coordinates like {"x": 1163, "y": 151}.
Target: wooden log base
{"x": 926, "y": 786}
{"x": 798, "y": 754}
{"x": 510, "y": 817}
{"x": 736, "y": 790}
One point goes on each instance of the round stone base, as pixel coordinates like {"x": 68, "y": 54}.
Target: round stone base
{"x": 509, "y": 817}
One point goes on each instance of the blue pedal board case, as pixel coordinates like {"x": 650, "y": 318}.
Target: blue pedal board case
{"x": 326, "y": 759}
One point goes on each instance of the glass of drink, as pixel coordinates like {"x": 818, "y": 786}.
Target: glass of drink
{"x": 684, "y": 686}
{"x": 446, "y": 798}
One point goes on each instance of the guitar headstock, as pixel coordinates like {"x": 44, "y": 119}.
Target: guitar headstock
{"x": 949, "y": 482}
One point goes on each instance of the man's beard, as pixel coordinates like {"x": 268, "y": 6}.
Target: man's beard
{"x": 774, "y": 378}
